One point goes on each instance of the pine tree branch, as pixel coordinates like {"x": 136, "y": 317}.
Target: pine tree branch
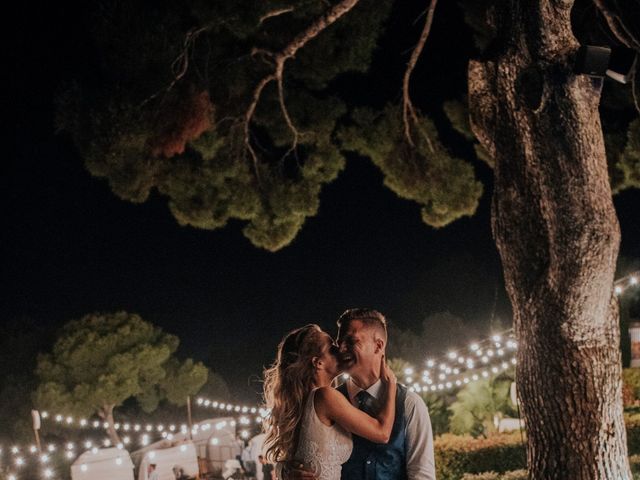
{"x": 249, "y": 115}
{"x": 617, "y": 26}
{"x": 279, "y": 59}
{"x": 274, "y": 13}
{"x": 408, "y": 110}
{"x": 285, "y": 113}
{"x": 180, "y": 65}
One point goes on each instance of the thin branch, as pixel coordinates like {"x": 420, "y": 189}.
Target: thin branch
{"x": 408, "y": 110}
{"x": 274, "y": 13}
{"x": 180, "y": 65}
{"x": 249, "y": 115}
{"x": 617, "y": 26}
{"x": 279, "y": 59}
{"x": 634, "y": 86}
{"x": 285, "y": 113}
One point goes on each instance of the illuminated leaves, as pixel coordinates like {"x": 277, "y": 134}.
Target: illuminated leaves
{"x": 104, "y": 359}
{"x": 444, "y": 186}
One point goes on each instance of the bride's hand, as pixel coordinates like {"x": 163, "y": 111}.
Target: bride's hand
{"x": 386, "y": 374}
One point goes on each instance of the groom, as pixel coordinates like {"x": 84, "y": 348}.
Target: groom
{"x": 362, "y": 339}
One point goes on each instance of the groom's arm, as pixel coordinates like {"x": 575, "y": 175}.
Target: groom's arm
{"x": 419, "y": 439}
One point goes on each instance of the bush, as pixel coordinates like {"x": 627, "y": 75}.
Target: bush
{"x": 503, "y": 456}
{"x": 516, "y": 475}
{"x": 633, "y": 433}
{"x": 512, "y": 475}
{"x": 631, "y": 380}
{"x": 457, "y": 455}
{"x": 481, "y": 476}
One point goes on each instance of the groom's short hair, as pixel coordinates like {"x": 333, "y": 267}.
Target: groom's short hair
{"x": 368, "y": 316}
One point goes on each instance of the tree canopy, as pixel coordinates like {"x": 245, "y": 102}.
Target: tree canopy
{"x": 236, "y": 111}
{"x": 101, "y": 360}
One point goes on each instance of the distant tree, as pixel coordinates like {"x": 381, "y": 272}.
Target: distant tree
{"x": 477, "y": 403}
{"x": 215, "y": 388}
{"x": 399, "y": 367}
{"x": 101, "y": 360}
{"x": 439, "y": 330}
{"x": 21, "y": 339}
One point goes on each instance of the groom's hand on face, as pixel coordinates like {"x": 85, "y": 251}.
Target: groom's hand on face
{"x": 294, "y": 470}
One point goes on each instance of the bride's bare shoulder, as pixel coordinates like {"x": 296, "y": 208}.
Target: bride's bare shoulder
{"x": 328, "y": 401}
{"x": 328, "y": 395}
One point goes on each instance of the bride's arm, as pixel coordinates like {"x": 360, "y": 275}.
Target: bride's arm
{"x": 337, "y": 407}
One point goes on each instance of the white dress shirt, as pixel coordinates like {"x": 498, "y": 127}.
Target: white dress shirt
{"x": 418, "y": 433}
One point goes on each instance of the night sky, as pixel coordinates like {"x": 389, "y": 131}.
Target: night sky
{"x": 70, "y": 247}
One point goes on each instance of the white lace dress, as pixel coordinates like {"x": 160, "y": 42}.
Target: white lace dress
{"x": 322, "y": 448}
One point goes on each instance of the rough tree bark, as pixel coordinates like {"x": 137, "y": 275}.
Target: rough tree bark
{"x": 106, "y": 413}
{"x": 557, "y": 233}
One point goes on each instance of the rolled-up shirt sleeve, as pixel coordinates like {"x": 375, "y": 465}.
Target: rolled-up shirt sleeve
{"x": 419, "y": 439}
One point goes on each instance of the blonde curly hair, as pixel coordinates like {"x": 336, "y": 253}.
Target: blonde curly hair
{"x": 287, "y": 384}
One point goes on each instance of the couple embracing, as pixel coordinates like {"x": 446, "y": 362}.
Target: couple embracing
{"x": 369, "y": 428}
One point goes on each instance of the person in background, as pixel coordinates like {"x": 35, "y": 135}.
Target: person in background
{"x": 268, "y": 471}
{"x": 152, "y": 473}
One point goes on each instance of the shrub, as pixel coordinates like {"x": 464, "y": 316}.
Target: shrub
{"x": 457, "y": 455}
{"x": 631, "y": 380}
{"x": 633, "y": 433}
{"x": 512, "y": 475}
{"x": 516, "y": 475}
{"x": 481, "y": 476}
{"x": 462, "y": 457}
{"x": 634, "y": 462}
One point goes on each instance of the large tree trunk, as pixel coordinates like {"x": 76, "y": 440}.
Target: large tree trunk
{"x": 558, "y": 236}
{"x": 106, "y": 413}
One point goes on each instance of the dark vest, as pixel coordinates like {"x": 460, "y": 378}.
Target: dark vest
{"x": 372, "y": 461}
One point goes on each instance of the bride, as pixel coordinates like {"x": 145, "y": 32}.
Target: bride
{"x": 311, "y": 422}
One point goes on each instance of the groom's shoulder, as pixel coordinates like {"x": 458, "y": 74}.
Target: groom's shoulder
{"x": 414, "y": 402}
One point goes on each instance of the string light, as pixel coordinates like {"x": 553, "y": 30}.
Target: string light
{"x": 621, "y": 285}
{"x": 500, "y": 347}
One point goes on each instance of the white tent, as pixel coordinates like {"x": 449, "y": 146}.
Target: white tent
{"x": 103, "y": 464}
{"x": 217, "y": 442}
{"x": 214, "y": 441}
{"x": 166, "y": 459}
